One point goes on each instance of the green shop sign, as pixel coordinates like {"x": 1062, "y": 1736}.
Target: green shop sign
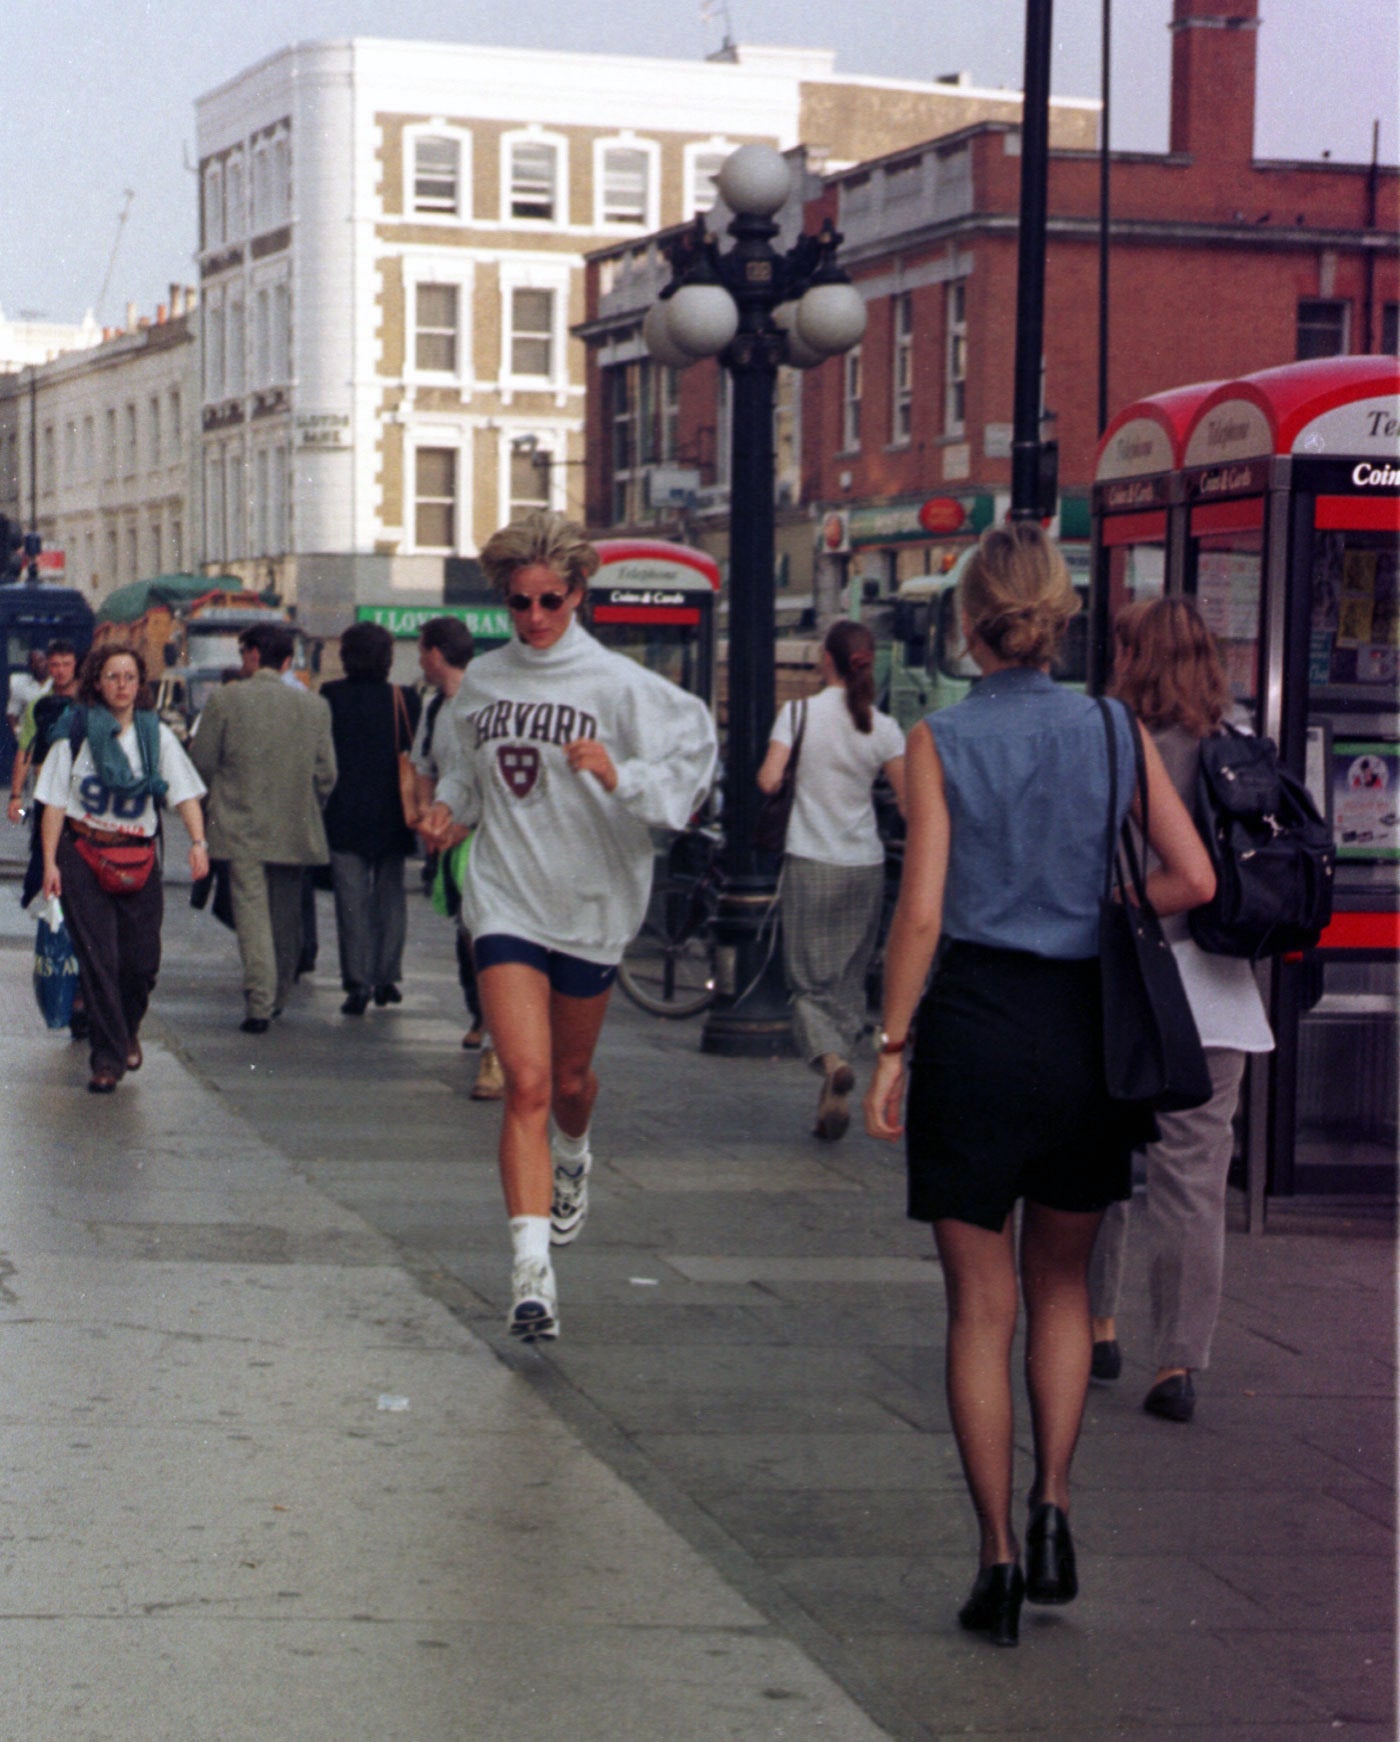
{"x": 920, "y": 518}
{"x": 405, "y": 622}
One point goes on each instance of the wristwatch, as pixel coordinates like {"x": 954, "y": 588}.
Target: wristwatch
{"x": 892, "y": 1046}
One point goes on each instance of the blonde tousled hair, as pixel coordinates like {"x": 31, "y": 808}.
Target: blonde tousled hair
{"x": 1017, "y": 593}
{"x": 539, "y": 537}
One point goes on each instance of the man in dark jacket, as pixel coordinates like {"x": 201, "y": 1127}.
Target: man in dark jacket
{"x": 372, "y": 720}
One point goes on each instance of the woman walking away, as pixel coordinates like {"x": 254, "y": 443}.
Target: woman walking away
{"x": 566, "y": 755}
{"x": 1168, "y": 671}
{"x": 834, "y": 870}
{"x": 102, "y": 784}
{"x": 371, "y": 721}
{"x": 1008, "y": 798}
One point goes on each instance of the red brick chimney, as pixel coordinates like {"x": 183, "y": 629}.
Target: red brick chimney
{"x": 1213, "y": 63}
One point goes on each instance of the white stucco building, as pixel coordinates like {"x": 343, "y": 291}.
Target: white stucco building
{"x": 391, "y": 246}
{"x": 97, "y": 453}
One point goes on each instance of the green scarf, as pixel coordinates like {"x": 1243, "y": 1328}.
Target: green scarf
{"x": 98, "y": 725}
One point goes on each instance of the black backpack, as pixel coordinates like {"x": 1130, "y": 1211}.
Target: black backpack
{"x": 1273, "y": 855}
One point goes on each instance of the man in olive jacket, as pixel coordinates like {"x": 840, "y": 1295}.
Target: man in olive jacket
{"x": 264, "y": 749}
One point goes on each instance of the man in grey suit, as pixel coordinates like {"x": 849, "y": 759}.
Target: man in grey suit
{"x": 264, "y": 749}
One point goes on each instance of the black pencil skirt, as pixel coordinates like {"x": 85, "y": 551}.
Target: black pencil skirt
{"x": 1007, "y": 1096}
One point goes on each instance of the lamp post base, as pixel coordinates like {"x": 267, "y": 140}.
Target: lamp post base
{"x": 751, "y": 1016}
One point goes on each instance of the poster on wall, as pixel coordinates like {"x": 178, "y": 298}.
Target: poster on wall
{"x": 1366, "y": 798}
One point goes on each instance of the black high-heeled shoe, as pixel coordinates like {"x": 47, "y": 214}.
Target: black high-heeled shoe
{"x": 994, "y": 1605}
{"x": 1050, "y": 1571}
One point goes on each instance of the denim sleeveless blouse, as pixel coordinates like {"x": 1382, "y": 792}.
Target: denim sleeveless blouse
{"x": 1025, "y": 769}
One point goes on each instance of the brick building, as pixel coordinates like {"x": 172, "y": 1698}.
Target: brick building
{"x": 1220, "y": 264}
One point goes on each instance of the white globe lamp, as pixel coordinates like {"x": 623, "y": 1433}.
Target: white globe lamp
{"x": 659, "y": 341}
{"x": 796, "y": 351}
{"x": 755, "y": 180}
{"x": 702, "y": 318}
{"x": 831, "y": 317}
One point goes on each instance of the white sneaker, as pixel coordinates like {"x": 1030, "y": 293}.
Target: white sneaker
{"x": 570, "y": 1207}
{"x": 534, "y": 1310}
{"x": 490, "y": 1084}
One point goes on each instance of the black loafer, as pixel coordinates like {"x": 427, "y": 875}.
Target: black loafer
{"x": 387, "y": 995}
{"x": 1172, "y": 1399}
{"x": 355, "y": 1005}
{"x": 1106, "y": 1362}
{"x": 1051, "y": 1576}
{"x": 254, "y": 1025}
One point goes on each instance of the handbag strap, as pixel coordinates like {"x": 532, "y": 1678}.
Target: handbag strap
{"x": 400, "y": 714}
{"x": 1120, "y": 843}
{"x": 800, "y": 710}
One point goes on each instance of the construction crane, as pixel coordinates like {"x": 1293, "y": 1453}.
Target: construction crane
{"x": 116, "y": 243}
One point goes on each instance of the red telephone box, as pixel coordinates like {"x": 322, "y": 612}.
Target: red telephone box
{"x": 655, "y": 601}
{"x": 1280, "y": 514}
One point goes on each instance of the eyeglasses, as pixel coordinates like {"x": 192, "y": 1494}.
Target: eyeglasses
{"x": 546, "y": 601}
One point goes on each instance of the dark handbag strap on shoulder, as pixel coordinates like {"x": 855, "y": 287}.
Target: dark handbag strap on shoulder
{"x": 1120, "y": 845}
{"x": 401, "y": 719}
{"x": 800, "y": 711}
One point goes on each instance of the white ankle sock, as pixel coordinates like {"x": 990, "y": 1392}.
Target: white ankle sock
{"x": 529, "y": 1236}
{"x": 572, "y": 1151}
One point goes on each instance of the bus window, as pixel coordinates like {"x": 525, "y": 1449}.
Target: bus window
{"x": 1228, "y": 569}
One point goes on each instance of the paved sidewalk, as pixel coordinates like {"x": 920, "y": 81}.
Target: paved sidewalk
{"x": 743, "y": 1443}
{"x": 256, "y": 1483}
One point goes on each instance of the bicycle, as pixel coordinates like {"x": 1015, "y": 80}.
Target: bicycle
{"x": 669, "y": 967}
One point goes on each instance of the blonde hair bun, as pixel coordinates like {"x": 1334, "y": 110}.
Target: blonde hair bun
{"x": 1017, "y": 593}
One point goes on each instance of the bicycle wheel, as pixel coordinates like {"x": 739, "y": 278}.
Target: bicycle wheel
{"x": 669, "y": 969}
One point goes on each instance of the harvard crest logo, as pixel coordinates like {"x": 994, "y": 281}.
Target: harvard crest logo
{"x": 519, "y": 767}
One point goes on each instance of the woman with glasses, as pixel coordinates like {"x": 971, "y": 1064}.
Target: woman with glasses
{"x": 565, "y": 756}
{"x": 110, "y": 766}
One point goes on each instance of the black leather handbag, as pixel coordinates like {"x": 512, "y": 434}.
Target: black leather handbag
{"x": 770, "y": 831}
{"x": 1153, "y": 1056}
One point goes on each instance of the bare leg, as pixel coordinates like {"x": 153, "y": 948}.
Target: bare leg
{"x": 515, "y": 1002}
{"x": 574, "y": 1025}
{"x": 979, "y": 1272}
{"x": 1055, "y": 1250}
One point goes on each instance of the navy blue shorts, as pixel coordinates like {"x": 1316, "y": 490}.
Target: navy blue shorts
{"x": 569, "y": 975}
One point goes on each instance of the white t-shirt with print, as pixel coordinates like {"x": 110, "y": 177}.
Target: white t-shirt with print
{"x": 833, "y": 813}
{"x": 79, "y": 792}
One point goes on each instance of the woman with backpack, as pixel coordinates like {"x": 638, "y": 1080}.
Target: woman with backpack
{"x": 1169, "y": 672}
{"x": 102, "y": 786}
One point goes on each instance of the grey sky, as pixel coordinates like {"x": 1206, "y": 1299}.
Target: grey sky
{"x": 101, "y": 98}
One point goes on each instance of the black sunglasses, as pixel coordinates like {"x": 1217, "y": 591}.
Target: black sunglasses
{"x": 546, "y": 601}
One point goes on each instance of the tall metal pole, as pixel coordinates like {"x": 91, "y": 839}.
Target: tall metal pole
{"x": 751, "y": 1014}
{"x": 1105, "y": 82}
{"x": 1030, "y": 266}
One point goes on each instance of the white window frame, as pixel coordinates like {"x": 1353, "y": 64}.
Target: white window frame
{"x": 696, "y": 199}
{"x": 548, "y": 441}
{"x": 447, "y": 268}
{"x": 433, "y": 435}
{"x": 177, "y": 435}
{"x": 852, "y": 382}
{"x": 650, "y": 218}
{"x": 153, "y": 432}
{"x": 531, "y": 275}
{"x": 559, "y": 218}
{"x": 955, "y": 357}
{"x": 212, "y": 326}
{"x": 901, "y": 369}
{"x": 235, "y": 345}
{"x": 213, "y": 212}
{"x": 235, "y": 198}
{"x": 235, "y": 502}
{"x": 462, "y": 139}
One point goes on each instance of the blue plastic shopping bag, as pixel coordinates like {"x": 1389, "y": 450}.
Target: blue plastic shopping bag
{"x": 55, "y": 967}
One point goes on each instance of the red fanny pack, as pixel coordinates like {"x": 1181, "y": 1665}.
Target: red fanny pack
{"x": 120, "y": 869}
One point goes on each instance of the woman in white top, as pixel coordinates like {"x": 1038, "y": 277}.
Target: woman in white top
{"x": 834, "y": 871}
{"x": 1169, "y": 673}
{"x": 103, "y": 780}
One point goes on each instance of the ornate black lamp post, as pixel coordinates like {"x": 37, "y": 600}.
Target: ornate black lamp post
{"x": 753, "y": 308}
